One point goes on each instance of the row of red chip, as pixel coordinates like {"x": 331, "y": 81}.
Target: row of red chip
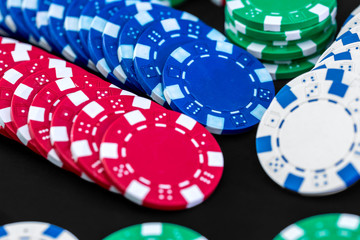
{"x": 124, "y": 143}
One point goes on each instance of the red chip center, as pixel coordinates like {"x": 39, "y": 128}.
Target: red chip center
{"x": 176, "y": 161}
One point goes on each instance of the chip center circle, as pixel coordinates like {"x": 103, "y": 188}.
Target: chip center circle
{"x": 176, "y": 161}
{"x": 226, "y": 86}
{"x": 317, "y": 135}
{"x": 283, "y": 6}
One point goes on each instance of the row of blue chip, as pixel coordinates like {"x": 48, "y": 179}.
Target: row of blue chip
{"x": 154, "y": 50}
{"x": 308, "y": 139}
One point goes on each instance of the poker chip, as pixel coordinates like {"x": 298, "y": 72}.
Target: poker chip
{"x": 96, "y": 31}
{"x": 352, "y": 23}
{"x": 27, "y": 90}
{"x": 34, "y": 230}
{"x": 327, "y": 226}
{"x": 90, "y": 10}
{"x": 348, "y": 61}
{"x": 290, "y": 69}
{"x": 63, "y": 118}
{"x": 90, "y": 126}
{"x": 42, "y": 22}
{"x": 57, "y": 12}
{"x": 293, "y": 35}
{"x": 43, "y": 106}
{"x": 155, "y": 45}
{"x": 5, "y": 17}
{"x": 9, "y": 83}
{"x": 248, "y": 85}
{"x": 133, "y": 29}
{"x": 156, "y": 231}
{"x": 71, "y": 25}
{"x": 111, "y": 35}
{"x": 351, "y": 33}
{"x": 306, "y": 140}
{"x": 342, "y": 45}
{"x": 166, "y": 176}
{"x": 283, "y": 16}
{"x": 14, "y": 9}
{"x": 266, "y": 51}
{"x": 29, "y": 10}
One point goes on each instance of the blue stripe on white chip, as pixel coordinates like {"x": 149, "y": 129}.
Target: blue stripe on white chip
{"x": 34, "y": 230}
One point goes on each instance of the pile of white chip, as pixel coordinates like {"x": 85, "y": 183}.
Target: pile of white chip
{"x": 308, "y": 140}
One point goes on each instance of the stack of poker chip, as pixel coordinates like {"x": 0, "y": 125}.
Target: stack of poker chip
{"x": 288, "y": 36}
{"x": 83, "y": 124}
{"x": 308, "y": 138}
{"x": 151, "y": 50}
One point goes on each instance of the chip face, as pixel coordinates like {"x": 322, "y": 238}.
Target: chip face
{"x": 34, "y": 230}
{"x": 325, "y": 227}
{"x": 155, "y": 231}
{"x": 307, "y": 141}
{"x": 196, "y": 90}
{"x": 179, "y": 166}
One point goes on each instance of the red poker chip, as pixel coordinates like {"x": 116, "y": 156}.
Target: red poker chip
{"x": 30, "y": 86}
{"x": 161, "y": 159}
{"x": 45, "y": 103}
{"x": 90, "y": 126}
{"x": 63, "y": 118}
{"x": 8, "y": 84}
{"x": 13, "y": 53}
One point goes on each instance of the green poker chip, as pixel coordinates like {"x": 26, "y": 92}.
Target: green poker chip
{"x": 294, "y": 35}
{"x": 280, "y": 70}
{"x": 323, "y": 227}
{"x": 281, "y": 15}
{"x": 275, "y": 53}
{"x": 155, "y": 231}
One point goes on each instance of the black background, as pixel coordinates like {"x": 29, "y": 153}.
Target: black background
{"x": 246, "y": 204}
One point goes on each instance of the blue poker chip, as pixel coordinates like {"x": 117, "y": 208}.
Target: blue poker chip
{"x": 218, "y": 84}
{"x": 57, "y": 12}
{"x": 14, "y": 9}
{"x": 95, "y": 43}
{"x": 29, "y": 10}
{"x": 42, "y": 22}
{"x": 71, "y": 25}
{"x": 307, "y": 140}
{"x": 3, "y": 15}
{"x": 131, "y": 32}
{"x": 34, "y": 230}
{"x": 155, "y": 45}
{"x": 91, "y": 9}
{"x": 112, "y": 33}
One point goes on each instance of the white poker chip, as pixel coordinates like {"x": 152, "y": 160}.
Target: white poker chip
{"x": 352, "y": 23}
{"x": 308, "y": 140}
{"x": 34, "y": 230}
{"x": 346, "y": 60}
